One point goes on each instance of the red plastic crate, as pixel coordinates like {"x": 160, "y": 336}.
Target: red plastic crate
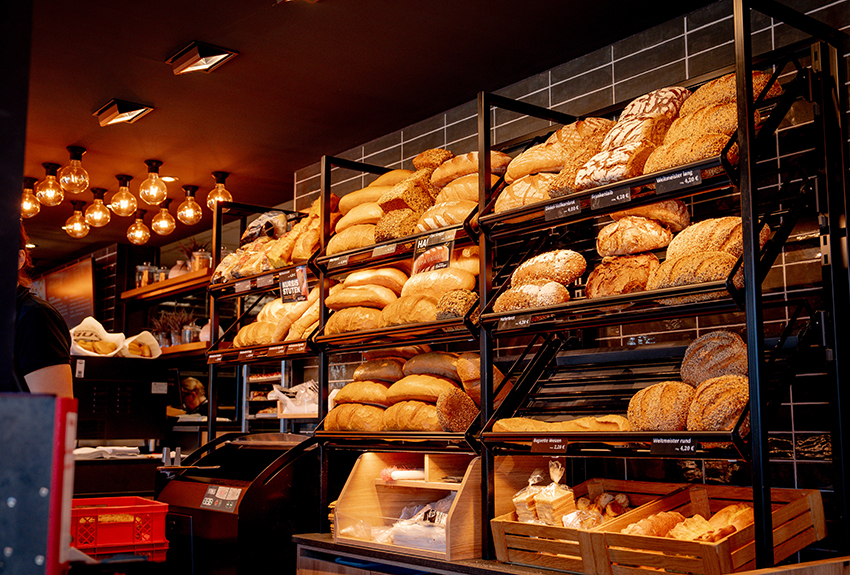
{"x": 110, "y": 525}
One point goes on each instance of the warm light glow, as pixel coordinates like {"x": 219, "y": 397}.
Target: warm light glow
{"x": 169, "y": 179}
{"x": 163, "y": 223}
{"x": 74, "y": 178}
{"x": 218, "y": 193}
{"x": 138, "y": 232}
{"x": 30, "y": 205}
{"x": 199, "y": 57}
{"x": 76, "y": 225}
{"x": 120, "y": 112}
{"x": 153, "y": 190}
{"x": 48, "y": 191}
{"x": 97, "y": 215}
{"x": 189, "y": 212}
{"x": 123, "y": 203}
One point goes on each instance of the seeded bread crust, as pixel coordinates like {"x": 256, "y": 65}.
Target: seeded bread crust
{"x": 713, "y": 235}
{"x": 661, "y": 407}
{"x": 432, "y": 158}
{"x": 535, "y": 293}
{"x": 724, "y": 90}
{"x": 712, "y": 355}
{"x": 718, "y": 403}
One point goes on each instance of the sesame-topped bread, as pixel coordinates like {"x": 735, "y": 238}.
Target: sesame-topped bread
{"x": 712, "y": 355}
{"x": 562, "y": 266}
{"x": 432, "y": 158}
{"x": 718, "y": 403}
{"x": 714, "y": 119}
{"x": 661, "y": 407}
{"x": 713, "y": 235}
{"x": 695, "y": 268}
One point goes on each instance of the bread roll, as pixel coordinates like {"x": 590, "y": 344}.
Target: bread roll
{"x": 620, "y": 275}
{"x": 445, "y": 214}
{"x": 385, "y": 369}
{"x": 631, "y": 235}
{"x": 437, "y": 282}
{"x": 468, "y": 164}
{"x": 519, "y": 425}
{"x": 534, "y": 293}
{"x": 355, "y": 417}
{"x": 646, "y": 129}
{"x": 408, "y": 194}
{"x": 614, "y": 165}
{"x": 524, "y": 191}
{"x": 361, "y": 296}
{"x": 299, "y": 327}
{"x": 410, "y": 309}
{"x": 420, "y": 388}
{"x": 672, "y": 214}
{"x": 411, "y": 416}
{"x": 466, "y": 259}
{"x": 690, "y": 528}
{"x": 469, "y": 371}
{"x": 437, "y": 363}
{"x": 687, "y": 150}
{"x": 455, "y": 303}
{"x": 561, "y": 266}
{"x": 367, "y": 195}
{"x": 391, "y": 278}
{"x": 724, "y": 90}
{"x": 738, "y": 515}
{"x": 463, "y": 188}
{"x": 576, "y": 134}
{"x": 351, "y": 238}
{"x": 661, "y": 407}
{"x": 657, "y": 525}
{"x": 354, "y": 319}
{"x": 666, "y": 101}
{"x": 396, "y": 224}
{"x": 718, "y": 403}
{"x": 404, "y": 352}
{"x": 712, "y": 355}
{"x": 389, "y": 179}
{"x": 367, "y": 213}
{"x": 371, "y": 392}
{"x": 546, "y": 157}
{"x": 431, "y": 158}
{"x": 714, "y": 235}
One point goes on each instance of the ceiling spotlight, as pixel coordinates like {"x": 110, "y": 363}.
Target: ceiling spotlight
{"x": 123, "y": 202}
{"x": 138, "y": 232}
{"x": 163, "y": 223}
{"x": 30, "y": 205}
{"x": 49, "y": 192}
{"x": 218, "y": 193}
{"x": 76, "y": 225}
{"x": 153, "y": 190}
{"x": 189, "y": 212}
{"x": 97, "y": 215}
{"x": 120, "y": 112}
{"x": 199, "y": 57}
{"x": 169, "y": 179}
{"x": 74, "y": 178}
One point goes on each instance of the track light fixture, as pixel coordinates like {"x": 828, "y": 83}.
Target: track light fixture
{"x": 121, "y": 112}
{"x": 199, "y": 57}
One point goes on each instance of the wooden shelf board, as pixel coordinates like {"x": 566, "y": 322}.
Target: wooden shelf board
{"x": 165, "y": 288}
{"x": 419, "y": 484}
{"x": 195, "y": 346}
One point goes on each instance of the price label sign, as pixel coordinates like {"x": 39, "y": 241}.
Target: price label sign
{"x": 243, "y": 286}
{"x": 608, "y": 198}
{"x": 276, "y": 350}
{"x": 433, "y": 252}
{"x": 673, "y": 446}
{"x": 514, "y": 322}
{"x": 246, "y": 354}
{"x": 265, "y": 281}
{"x": 548, "y": 445}
{"x": 677, "y": 181}
{"x": 563, "y": 209}
{"x": 293, "y": 284}
{"x": 386, "y": 250}
{"x": 214, "y": 358}
{"x": 337, "y": 262}
{"x": 298, "y": 348}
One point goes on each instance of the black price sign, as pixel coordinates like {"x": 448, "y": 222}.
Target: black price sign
{"x": 276, "y": 350}
{"x": 608, "y": 198}
{"x": 548, "y": 445}
{"x": 386, "y": 250}
{"x": 293, "y": 284}
{"x": 514, "y": 322}
{"x": 677, "y": 181}
{"x": 562, "y": 209}
{"x": 265, "y": 281}
{"x": 673, "y": 446}
{"x": 214, "y": 358}
{"x": 246, "y": 354}
{"x": 298, "y": 348}
{"x": 433, "y": 252}
{"x": 337, "y": 262}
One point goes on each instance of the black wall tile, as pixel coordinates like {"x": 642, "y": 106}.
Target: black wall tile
{"x": 710, "y": 37}
{"x": 462, "y": 112}
{"x": 308, "y": 171}
{"x": 582, "y": 85}
{"x": 540, "y": 98}
{"x": 424, "y": 127}
{"x": 390, "y": 158}
{"x": 523, "y": 88}
{"x": 815, "y": 475}
{"x": 519, "y": 128}
{"x": 709, "y": 14}
{"x": 307, "y": 186}
{"x": 412, "y": 147}
{"x": 650, "y": 59}
{"x": 813, "y": 417}
{"x": 587, "y": 105}
{"x": 649, "y": 38}
{"x": 581, "y": 65}
{"x": 461, "y": 129}
{"x": 670, "y": 75}
{"x": 381, "y": 143}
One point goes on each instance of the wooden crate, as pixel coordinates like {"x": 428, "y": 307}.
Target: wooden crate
{"x": 797, "y": 522}
{"x": 366, "y": 498}
{"x": 560, "y": 548}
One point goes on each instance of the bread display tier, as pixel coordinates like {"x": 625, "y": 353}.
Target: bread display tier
{"x": 436, "y": 332}
{"x": 256, "y": 284}
{"x": 288, "y": 350}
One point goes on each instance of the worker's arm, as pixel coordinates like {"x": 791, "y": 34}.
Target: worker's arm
{"x": 53, "y": 379}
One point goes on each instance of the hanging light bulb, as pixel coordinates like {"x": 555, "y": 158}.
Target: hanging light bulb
{"x": 218, "y": 193}
{"x": 138, "y": 232}
{"x": 97, "y": 215}
{"x": 76, "y": 225}
{"x": 189, "y": 212}
{"x": 30, "y": 205}
{"x": 49, "y": 192}
{"x": 163, "y": 223}
{"x": 74, "y": 178}
{"x": 153, "y": 190}
{"x": 123, "y": 202}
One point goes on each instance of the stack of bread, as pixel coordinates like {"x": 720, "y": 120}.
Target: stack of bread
{"x": 364, "y": 294}
{"x": 541, "y": 281}
{"x": 674, "y": 525}
{"x": 593, "y": 513}
{"x": 423, "y": 291}
{"x": 706, "y": 121}
{"x": 457, "y": 178}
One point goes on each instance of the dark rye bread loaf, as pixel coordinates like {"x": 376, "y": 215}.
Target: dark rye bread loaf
{"x": 661, "y": 407}
{"x": 712, "y": 355}
{"x": 718, "y": 403}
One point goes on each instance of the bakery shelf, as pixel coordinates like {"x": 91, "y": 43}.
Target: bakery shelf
{"x": 398, "y": 440}
{"x": 279, "y": 351}
{"x": 419, "y": 484}
{"x": 255, "y": 284}
{"x": 170, "y": 287}
{"x": 186, "y": 349}
{"x": 436, "y": 332}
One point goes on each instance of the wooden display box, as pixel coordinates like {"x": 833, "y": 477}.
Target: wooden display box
{"x": 561, "y": 548}
{"x": 368, "y": 501}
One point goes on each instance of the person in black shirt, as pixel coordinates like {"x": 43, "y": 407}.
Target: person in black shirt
{"x": 42, "y": 339}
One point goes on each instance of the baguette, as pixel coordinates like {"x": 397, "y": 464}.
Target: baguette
{"x": 292, "y": 314}
{"x": 361, "y": 296}
{"x": 657, "y": 525}
{"x": 437, "y": 282}
{"x": 369, "y": 194}
{"x": 420, "y": 388}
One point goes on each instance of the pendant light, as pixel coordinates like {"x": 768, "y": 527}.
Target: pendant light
{"x": 189, "y": 212}
{"x": 218, "y": 193}
{"x": 123, "y": 202}
{"x": 97, "y": 214}
{"x": 153, "y": 190}
{"x": 163, "y": 223}
{"x": 76, "y": 225}
{"x": 30, "y": 205}
{"x": 49, "y": 192}
{"x": 74, "y": 178}
{"x": 138, "y": 232}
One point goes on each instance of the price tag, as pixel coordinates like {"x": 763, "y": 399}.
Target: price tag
{"x": 246, "y": 354}
{"x": 610, "y": 198}
{"x": 514, "y": 322}
{"x": 548, "y": 445}
{"x": 214, "y": 358}
{"x": 433, "y": 252}
{"x": 562, "y": 209}
{"x": 265, "y": 281}
{"x": 297, "y": 348}
{"x": 673, "y": 446}
{"x": 293, "y": 284}
{"x": 243, "y": 286}
{"x": 386, "y": 250}
{"x": 276, "y": 350}
{"x": 677, "y": 181}
{"x": 337, "y": 262}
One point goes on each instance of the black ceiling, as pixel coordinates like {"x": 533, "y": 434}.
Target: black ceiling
{"x": 310, "y": 79}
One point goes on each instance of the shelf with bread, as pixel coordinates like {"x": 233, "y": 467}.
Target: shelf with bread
{"x": 171, "y": 287}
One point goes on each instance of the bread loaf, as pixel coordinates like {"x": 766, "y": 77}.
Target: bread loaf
{"x": 351, "y": 238}
{"x": 292, "y": 314}
{"x": 468, "y": 164}
{"x": 661, "y": 407}
{"x": 712, "y": 355}
{"x": 546, "y": 157}
{"x": 524, "y": 191}
{"x": 410, "y": 309}
{"x": 408, "y": 194}
{"x": 403, "y": 353}
{"x": 390, "y": 178}
{"x": 371, "y": 392}
{"x": 445, "y": 214}
{"x": 657, "y": 525}
{"x": 368, "y": 195}
{"x": 306, "y": 244}
{"x": 519, "y": 425}
{"x": 531, "y": 294}
{"x": 665, "y": 101}
{"x": 614, "y": 165}
{"x": 385, "y": 369}
{"x": 561, "y": 266}
{"x": 422, "y": 178}
{"x": 690, "y": 528}
{"x": 718, "y": 403}
{"x": 455, "y": 410}
{"x": 574, "y": 135}
{"x": 411, "y": 416}
{"x": 367, "y": 213}
{"x": 738, "y": 515}
{"x": 466, "y": 259}
{"x": 391, "y": 278}
{"x": 687, "y": 150}
{"x": 431, "y": 158}
{"x": 463, "y": 188}
{"x": 631, "y": 235}
{"x": 672, "y": 214}
{"x": 355, "y": 417}
{"x": 436, "y": 363}
{"x": 608, "y": 423}
{"x": 716, "y": 119}
{"x": 645, "y": 129}
{"x": 396, "y": 224}
{"x": 693, "y": 269}
{"x": 299, "y": 329}
{"x": 714, "y": 235}
{"x": 469, "y": 370}
{"x": 437, "y": 282}
{"x": 361, "y": 296}
{"x": 354, "y": 319}
{"x": 620, "y": 275}
{"x": 724, "y": 90}
{"x": 420, "y": 388}
{"x": 455, "y": 303}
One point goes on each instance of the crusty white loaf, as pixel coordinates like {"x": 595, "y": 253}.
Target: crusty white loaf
{"x": 468, "y": 164}
{"x": 714, "y": 354}
{"x": 466, "y": 259}
{"x": 546, "y": 157}
{"x": 445, "y": 214}
{"x": 366, "y": 213}
{"x": 437, "y": 282}
{"x": 574, "y": 135}
{"x": 661, "y": 407}
{"x": 410, "y": 309}
{"x": 371, "y": 392}
{"x": 524, "y": 191}
{"x": 662, "y": 101}
{"x": 562, "y": 266}
{"x": 384, "y": 369}
{"x": 351, "y": 238}
{"x": 463, "y": 188}
{"x": 355, "y": 417}
{"x": 437, "y": 363}
{"x": 391, "y": 278}
{"x": 611, "y": 166}
{"x": 672, "y": 214}
{"x": 361, "y": 296}
{"x": 411, "y": 416}
{"x": 631, "y": 235}
{"x": 419, "y": 388}
{"x": 353, "y": 319}
{"x": 649, "y": 128}
{"x": 620, "y": 275}
{"x": 369, "y": 194}
{"x": 533, "y": 293}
